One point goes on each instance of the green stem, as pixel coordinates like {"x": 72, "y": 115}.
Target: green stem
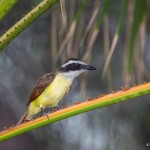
{"x": 139, "y": 13}
{"x": 116, "y": 36}
{"x": 122, "y": 16}
{"x": 5, "y": 7}
{"x": 105, "y": 8}
{"x": 83, "y": 5}
{"x": 91, "y": 104}
{"x": 25, "y": 22}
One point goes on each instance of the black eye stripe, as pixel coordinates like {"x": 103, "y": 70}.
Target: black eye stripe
{"x": 71, "y": 67}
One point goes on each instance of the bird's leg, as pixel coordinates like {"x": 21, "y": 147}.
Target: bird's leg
{"x": 55, "y": 107}
{"x": 45, "y": 114}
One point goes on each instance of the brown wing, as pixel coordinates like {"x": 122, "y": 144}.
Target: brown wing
{"x": 42, "y": 84}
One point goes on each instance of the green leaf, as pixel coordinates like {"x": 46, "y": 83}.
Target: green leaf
{"x": 105, "y": 8}
{"x": 139, "y": 13}
{"x": 25, "y": 22}
{"x": 5, "y": 7}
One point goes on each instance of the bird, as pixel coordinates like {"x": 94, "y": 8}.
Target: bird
{"x": 52, "y": 87}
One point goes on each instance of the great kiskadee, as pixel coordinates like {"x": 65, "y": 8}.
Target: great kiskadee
{"x": 51, "y": 87}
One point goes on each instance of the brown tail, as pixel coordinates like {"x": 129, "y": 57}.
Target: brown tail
{"x": 23, "y": 118}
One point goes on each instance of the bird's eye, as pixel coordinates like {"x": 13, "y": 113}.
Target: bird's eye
{"x": 74, "y": 67}
{"x": 79, "y": 67}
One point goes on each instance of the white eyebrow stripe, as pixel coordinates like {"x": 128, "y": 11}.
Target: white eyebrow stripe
{"x": 72, "y": 61}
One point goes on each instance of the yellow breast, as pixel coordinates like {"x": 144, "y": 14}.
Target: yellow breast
{"x": 52, "y": 94}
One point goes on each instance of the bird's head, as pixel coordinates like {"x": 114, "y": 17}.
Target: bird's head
{"x": 74, "y": 67}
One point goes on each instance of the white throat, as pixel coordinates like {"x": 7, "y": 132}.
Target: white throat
{"x": 72, "y": 74}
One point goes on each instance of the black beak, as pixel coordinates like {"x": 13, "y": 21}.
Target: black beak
{"x": 88, "y": 67}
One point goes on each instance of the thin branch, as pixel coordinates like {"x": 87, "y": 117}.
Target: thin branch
{"x": 90, "y": 104}
{"x": 25, "y": 22}
{"x": 5, "y": 7}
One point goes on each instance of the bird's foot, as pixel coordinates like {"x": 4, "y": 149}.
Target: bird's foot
{"x": 55, "y": 108}
{"x": 44, "y": 113}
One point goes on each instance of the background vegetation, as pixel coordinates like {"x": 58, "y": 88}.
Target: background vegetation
{"x": 92, "y": 31}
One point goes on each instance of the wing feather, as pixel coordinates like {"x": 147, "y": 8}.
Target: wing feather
{"x": 41, "y": 85}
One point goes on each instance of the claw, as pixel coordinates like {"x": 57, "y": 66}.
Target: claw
{"x": 44, "y": 114}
